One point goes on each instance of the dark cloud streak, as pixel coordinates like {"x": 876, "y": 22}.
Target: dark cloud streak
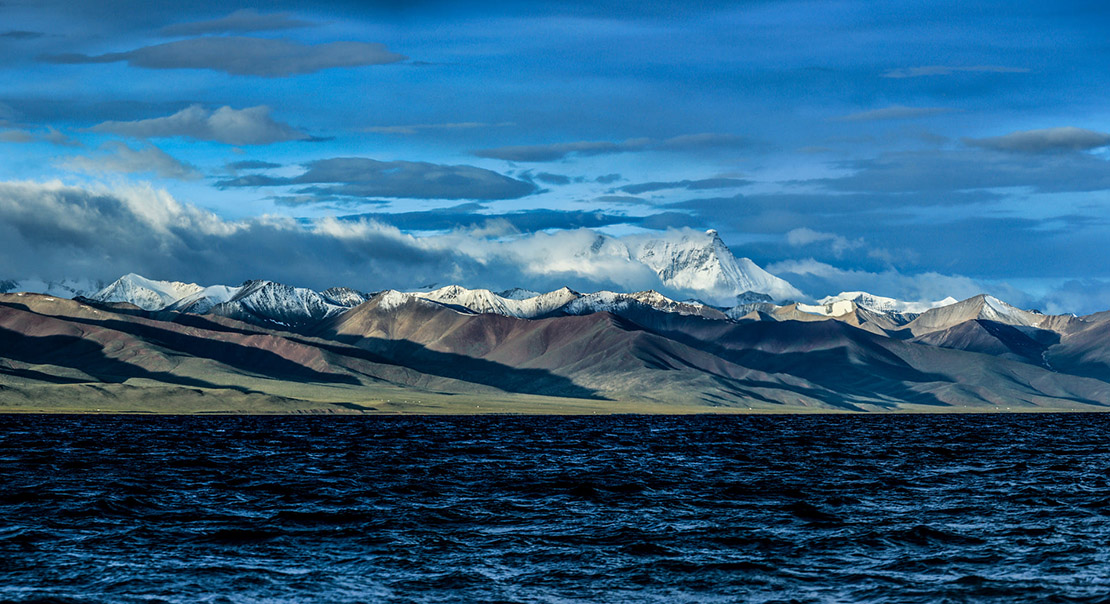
{"x": 1049, "y": 140}
{"x": 244, "y": 56}
{"x": 363, "y": 177}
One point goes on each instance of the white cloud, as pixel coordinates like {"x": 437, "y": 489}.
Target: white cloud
{"x": 114, "y": 156}
{"x": 250, "y": 126}
{"x": 802, "y": 237}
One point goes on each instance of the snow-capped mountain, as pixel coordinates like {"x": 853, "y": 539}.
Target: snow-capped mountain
{"x": 485, "y": 301}
{"x": 147, "y": 294}
{"x": 260, "y": 301}
{"x": 702, "y": 265}
{"x": 884, "y": 305}
{"x": 615, "y": 302}
{"x": 269, "y": 302}
{"x": 564, "y": 301}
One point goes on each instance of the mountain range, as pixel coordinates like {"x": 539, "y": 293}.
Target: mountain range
{"x": 139, "y": 344}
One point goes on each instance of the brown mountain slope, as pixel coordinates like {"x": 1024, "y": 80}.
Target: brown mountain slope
{"x": 649, "y": 354}
{"x": 50, "y": 341}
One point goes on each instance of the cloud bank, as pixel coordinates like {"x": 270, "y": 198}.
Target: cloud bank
{"x": 54, "y": 231}
{"x": 51, "y": 230}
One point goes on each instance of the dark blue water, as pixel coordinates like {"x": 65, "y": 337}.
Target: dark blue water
{"x": 546, "y": 509}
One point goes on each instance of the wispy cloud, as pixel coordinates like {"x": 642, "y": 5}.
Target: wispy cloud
{"x": 250, "y": 126}
{"x": 558, "y": 151}
{"x": 689, "y": 185}
{"x": 415, "y": 128}
{"x": 893, "y": 112}
{"x": 943, "y": 70}
{"x": 241, "y": 21}
{"x": 250, "y": 164}
{"x": 244, "y": 56}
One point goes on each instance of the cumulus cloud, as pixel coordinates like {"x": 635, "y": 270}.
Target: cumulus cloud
{"x": 689, "y": 185}
{"x": 250, "y": 126}
{"x": 893, "y": 112}
{"x": 944, "y": 70}
{"x": 363, "y": 177}
{"x": 244, "y": 56}
{"x": 241, "y": 21}
{"x": 1049, "y": 140}
{"x": 114, "y": 156}
{"x": 558, "y": 151}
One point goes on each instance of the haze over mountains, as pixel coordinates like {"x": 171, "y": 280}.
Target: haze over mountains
{"x": 267, "y": 346}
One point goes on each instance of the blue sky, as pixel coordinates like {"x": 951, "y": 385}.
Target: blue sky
{"x": 912, "y": 149}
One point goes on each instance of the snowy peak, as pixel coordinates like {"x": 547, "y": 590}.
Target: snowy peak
{"x": 884, "y": 305}
{"x": 147, "y": 294}
{"x": 702, "y": 264}
{"x": 204, "y": 300}
{"x": 343, "y": 296}
{"x": 270, "y": 302}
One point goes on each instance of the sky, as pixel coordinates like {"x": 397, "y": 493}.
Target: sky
{"x": 911, "y": 149}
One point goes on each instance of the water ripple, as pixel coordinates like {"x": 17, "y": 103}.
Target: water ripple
{"x": 961, "y": 508}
